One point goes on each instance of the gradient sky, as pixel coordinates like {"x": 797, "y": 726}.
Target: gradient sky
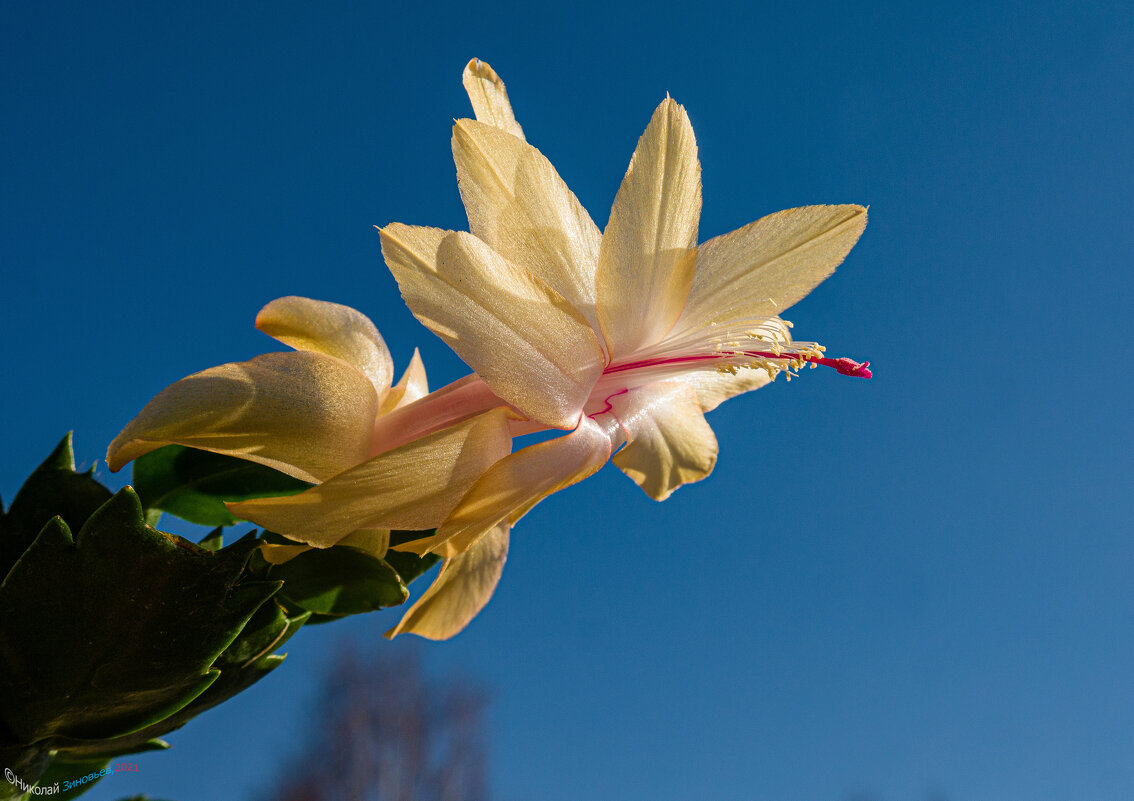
{"x": 909, "y": 588}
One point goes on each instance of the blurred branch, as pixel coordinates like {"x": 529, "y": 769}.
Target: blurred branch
{"x": 385, "y": 731}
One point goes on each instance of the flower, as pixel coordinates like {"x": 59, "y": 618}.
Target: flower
{"x": 311, "y": 413}
{"x": 624, "y": 338}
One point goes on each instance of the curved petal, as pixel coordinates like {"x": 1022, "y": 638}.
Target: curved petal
{"x": 669, "y": 441}
{"x": 418, "y": 546}
{"x": 306, "y": 414}
{"x": 763, "y": 268}
{"x": 454, "y": 403}
{"x": 278, "y": 554}
{"x": 462, "y": 588}
{"x": 714, "y": 387}
{"x": 649, "y": 248}
{"x": 372, "y": 541}
{"x": 412, "y": 487}
{"x": 489, "y": 98}
{"x": 518, "y": 204}
{"x": 528, "y": 344}
{"x": 412, "y": 385}
{"x": 515, "y": 484}
{"x": 331, "y": 328}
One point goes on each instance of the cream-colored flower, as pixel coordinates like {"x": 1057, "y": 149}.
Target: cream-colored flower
{"x": 311, "y": 413}
{"x": 625, "y": 338}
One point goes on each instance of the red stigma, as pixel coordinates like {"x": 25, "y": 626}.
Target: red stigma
{"x": 845, "y": 366}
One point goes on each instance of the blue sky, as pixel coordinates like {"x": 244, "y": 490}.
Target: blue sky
{"x": 911, "y": 586}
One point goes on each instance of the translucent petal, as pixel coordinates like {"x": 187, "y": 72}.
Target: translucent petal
{"x": 528, "y": 344}
{"x": 306, "y": 414}
{"x": 277, "y": 554}
{"x": 454, "y": 403}
{"x": 669, "y": 441}
{"x": 418, "y": 546}
{"x": 374, "y": 541}
{"x": 515, "y": 484}
{"x": 714, "y": 387}
{"x": 648, "y": 253}
{"x": 412, "y": 385}
{"x": 331, "y": 328}
{"x": 766, "y": 266}
{"x": 489, "y": 98}
{"x": 462, "y": 588}
{"x": 412, "y": 487}
{"x": 518, "y": 204}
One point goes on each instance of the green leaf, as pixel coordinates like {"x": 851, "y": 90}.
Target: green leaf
{"x": 194, "y": 484}
{"x": 339, "y": 581}
{"x": 214, "y": 540}
{"x": 117, "y": 629}
{"x": 409, "y": 566}
{"x": 265, "y": 633}
{"x": 54, "y": 488}
{"x": 247, "y": 660}
{"x": 73, "y": 750}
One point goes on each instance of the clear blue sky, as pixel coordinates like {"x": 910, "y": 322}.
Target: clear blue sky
{"x": 911, "y": 586}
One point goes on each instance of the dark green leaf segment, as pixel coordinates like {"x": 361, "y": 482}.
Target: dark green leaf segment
{"x": 113, "y": 633}
{"x": 109, "y": 628}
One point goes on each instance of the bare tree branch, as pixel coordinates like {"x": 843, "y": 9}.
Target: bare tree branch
{"x": 384, "y": 731}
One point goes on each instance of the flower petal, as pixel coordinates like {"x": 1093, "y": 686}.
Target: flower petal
{"x": 669, "y": 441}
{"x": 714, "y": 387}
{"x": 489, "y": 98}
{"x": 462, "y": 588}
{"x": 648, "y": 254}
{"x": 412, "y": 385}
{"x": 412, "y": 487}
{"x": 528, "y": 344}
{"x": 515, "y": 484}
{"x": 277, "y": 554}
{"x": 331, "y": 328}
{"x": 518, "y": 204}
{"x": 306, "y": 414}
{"x": 768, "y": 265}
{"x": 374, "y": 541}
